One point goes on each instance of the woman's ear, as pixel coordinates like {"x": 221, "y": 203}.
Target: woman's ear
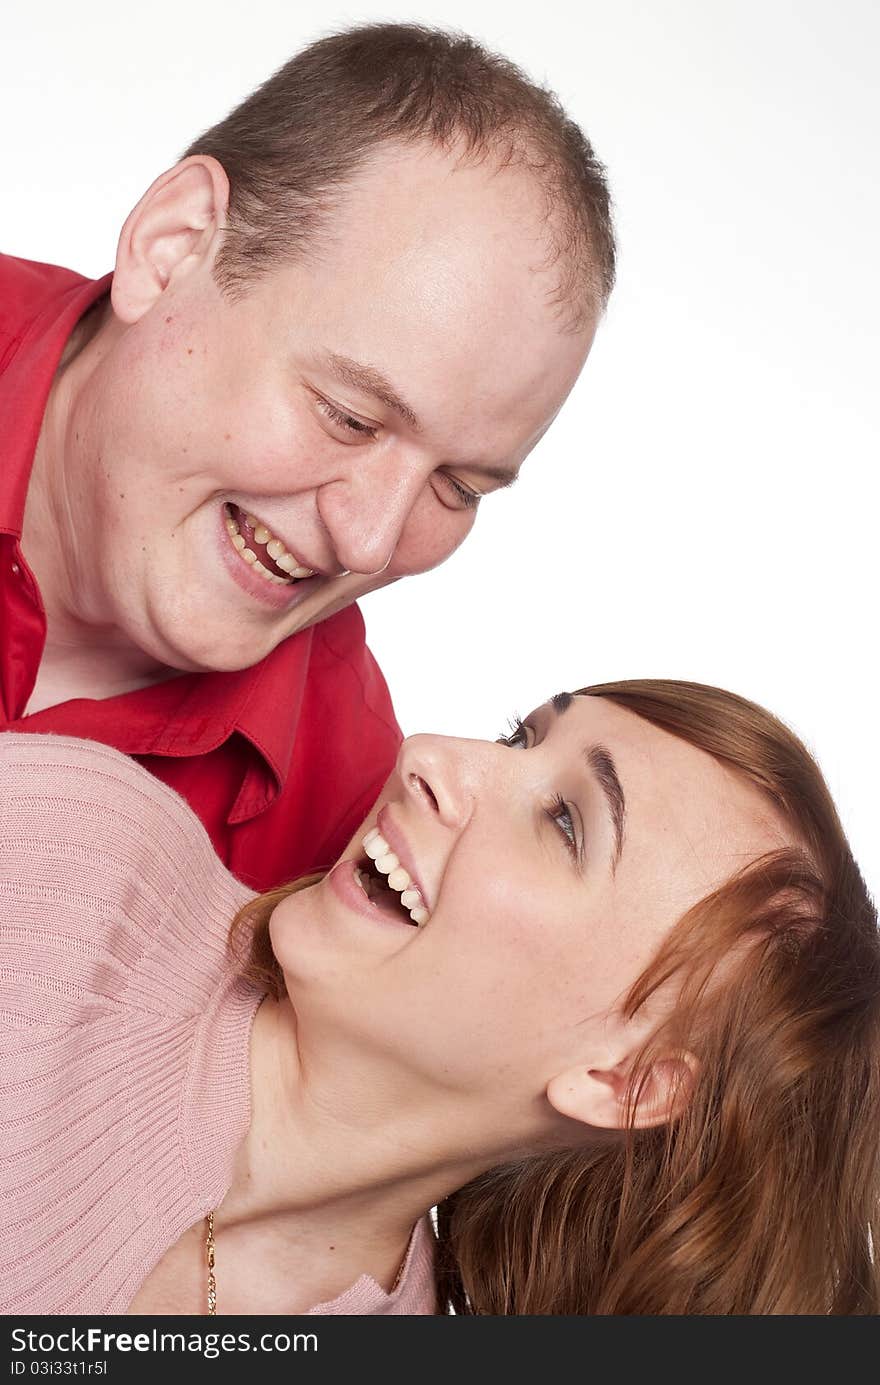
{"x": 172, "y": 228}
{"x": 597, "y": 1096}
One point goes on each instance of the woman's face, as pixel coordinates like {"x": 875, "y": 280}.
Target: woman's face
{"x": 551, "y": 870}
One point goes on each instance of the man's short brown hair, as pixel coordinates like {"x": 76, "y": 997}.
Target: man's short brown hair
{"x": 292, "y": 145}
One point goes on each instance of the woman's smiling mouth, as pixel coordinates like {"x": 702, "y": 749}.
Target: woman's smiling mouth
{"x": 386, "y": 874}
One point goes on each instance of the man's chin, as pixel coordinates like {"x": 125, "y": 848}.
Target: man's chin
{"x": 218, "y": 662}
{"x": 175, "y": 656}
{"x": 173, "y": 646}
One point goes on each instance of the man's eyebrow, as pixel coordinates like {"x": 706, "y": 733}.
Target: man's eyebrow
{"x": 371, "y": 381}
{"x": 503, "y": 476}
{"x": 601, "y": 762}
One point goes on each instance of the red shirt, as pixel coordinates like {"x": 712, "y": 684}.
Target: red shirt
{"x": 281, "y": 761}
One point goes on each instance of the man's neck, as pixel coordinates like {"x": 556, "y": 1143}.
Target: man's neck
{"x": 87, "y": 671}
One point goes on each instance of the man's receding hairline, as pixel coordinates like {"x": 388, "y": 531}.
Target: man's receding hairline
{"x": 306, "y": 131}
{"x": 577, "y": 309}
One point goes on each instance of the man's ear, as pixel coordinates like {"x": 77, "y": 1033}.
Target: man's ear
{"x": 597, "y": 1096}
{"x": 170, "y": 231}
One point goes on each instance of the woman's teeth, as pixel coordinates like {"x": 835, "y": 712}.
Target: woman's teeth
{"x": 396, "y": 877}
{"x": 275, "y": 549}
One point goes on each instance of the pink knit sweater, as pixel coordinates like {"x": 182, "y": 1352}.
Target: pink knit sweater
{"x": 124, "y": 1032}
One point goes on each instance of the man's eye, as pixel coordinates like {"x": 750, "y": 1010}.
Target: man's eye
{"x": 468, "y": 499}
{"x": 345, "y": 421}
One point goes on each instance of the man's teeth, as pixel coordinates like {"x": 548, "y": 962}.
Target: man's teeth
{"x": 274, "y": 547}
{"x": 397, "y": 878}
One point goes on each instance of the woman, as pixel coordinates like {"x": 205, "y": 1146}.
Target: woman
{"x": 615, "y": 1011}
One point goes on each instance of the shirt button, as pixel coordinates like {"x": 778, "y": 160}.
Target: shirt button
{"x": 16, "y": 569}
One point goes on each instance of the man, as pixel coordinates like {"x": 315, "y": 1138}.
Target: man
{"x": 342, "y": 319}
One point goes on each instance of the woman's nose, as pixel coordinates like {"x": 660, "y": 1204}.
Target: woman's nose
{"x": 444, "y": 774}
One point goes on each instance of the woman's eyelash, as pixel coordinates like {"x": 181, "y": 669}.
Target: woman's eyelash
{"x": 516, "y": 735}
{"x": 346, "y": 421}
{"x": 559, "y": 813}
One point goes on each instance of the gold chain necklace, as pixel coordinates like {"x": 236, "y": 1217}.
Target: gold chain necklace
{"x": 212, "y": 1278}
{"x": 209, "y": 1256}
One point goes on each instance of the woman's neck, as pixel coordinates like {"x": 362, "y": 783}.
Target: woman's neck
{"x": 347, "y": 1163}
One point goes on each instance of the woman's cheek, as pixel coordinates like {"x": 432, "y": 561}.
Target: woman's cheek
{"x": 508, "y": 910}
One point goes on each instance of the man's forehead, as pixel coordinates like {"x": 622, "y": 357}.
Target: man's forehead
{"x": 450, "y": 331}
{"x": 465, "y": 224}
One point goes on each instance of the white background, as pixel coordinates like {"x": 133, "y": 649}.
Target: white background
{"x": 705, "y": 505}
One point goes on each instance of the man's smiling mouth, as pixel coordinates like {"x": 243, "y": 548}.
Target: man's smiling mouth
{"x": 261, "y": 550}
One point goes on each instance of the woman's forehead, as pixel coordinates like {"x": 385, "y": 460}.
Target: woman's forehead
{"x": 688, "y": 814}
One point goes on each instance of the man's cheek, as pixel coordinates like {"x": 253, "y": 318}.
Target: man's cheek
{"x": 428, "y": 541}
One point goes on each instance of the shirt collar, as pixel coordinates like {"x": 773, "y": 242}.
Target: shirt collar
{"x": 26, "y": 373}
{"x": 195, "y": 713}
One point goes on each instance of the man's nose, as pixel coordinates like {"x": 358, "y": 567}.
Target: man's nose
{"x": 366, "y": 511}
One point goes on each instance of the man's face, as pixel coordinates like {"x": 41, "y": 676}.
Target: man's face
{"x": 353, "y": 404}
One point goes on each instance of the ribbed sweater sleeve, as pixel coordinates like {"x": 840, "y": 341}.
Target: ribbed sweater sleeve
{"x": 124, "y": 1034}
{"x": 124, "y": 1030}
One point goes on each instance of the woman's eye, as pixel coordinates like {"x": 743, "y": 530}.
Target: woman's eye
{"x": 516, "y": 736}
{"x": 560, "y": 813}
{"x": 519, "y": 737}
{"x": 345, "y": 421}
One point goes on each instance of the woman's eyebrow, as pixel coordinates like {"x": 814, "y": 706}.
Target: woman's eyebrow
{"x": 601, "y": 762}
